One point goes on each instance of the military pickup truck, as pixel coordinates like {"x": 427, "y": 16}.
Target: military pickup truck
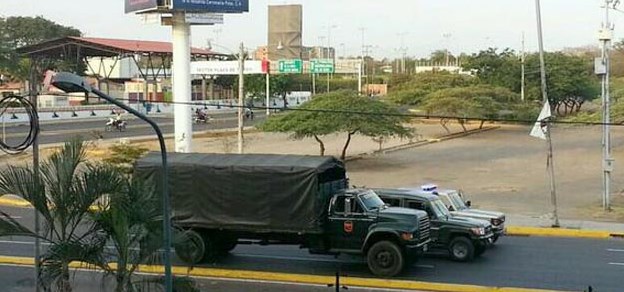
{"x": 221, "y": 200}
{"x": 454, "y": 202}
{"x": 463, "y": 237}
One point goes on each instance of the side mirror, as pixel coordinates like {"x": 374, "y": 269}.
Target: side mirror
{"x": 468, "y": 203}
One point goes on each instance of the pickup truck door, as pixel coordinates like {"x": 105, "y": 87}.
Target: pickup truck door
{"x": 349, "y": 223}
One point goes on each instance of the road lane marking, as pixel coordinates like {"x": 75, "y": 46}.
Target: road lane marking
{"x": 292, "y": 278}
{"x": 615, "y": 250}
{"x": 617, "y": 264}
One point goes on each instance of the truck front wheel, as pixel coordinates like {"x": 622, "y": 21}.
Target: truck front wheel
{"x": 385, "y": 259}
{"x": 461, "y": 249}
{"x": 191, "y": 247}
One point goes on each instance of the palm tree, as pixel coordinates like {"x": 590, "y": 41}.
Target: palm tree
{"x": 62, "y": 191}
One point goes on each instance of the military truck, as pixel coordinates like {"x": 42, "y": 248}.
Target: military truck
{"x": 221, "y": 200}
{"x": 463, "y": 238}
{"x": 454, "y": 202}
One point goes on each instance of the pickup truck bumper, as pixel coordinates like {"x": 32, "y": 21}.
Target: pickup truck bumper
{"x": 417, "y": 248}
{"x": 499, "y": 230}
{"x": 485, "y": 240}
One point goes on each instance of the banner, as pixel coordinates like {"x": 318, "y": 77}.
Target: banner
{"x": 219, "y": 6}
{"x": 226, "y": 67}
{"x": 140, "y": 5}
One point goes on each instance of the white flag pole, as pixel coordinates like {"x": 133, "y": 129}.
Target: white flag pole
{"x": 553, "y": 193}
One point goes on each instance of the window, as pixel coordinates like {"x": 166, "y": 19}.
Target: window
{"x": 356, "y": 207}
{"x": 416, "y": 205}
{"x": 393, "y": 202}
{"x": 339, "y": 205}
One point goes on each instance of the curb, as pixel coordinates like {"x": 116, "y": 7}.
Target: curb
{"x": 562, "y": 232}
{"x": 292, "y": 278}
{"x": 422, "y": 142}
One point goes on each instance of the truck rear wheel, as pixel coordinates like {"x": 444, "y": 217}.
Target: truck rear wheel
{"x": 191, "y": 249}
{"x": 461, "y": 249}
{"x": 385, "y": 259}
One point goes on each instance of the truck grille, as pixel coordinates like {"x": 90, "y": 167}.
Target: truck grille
{"x": 424, "y": 228}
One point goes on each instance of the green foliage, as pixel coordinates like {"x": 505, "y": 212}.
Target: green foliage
{"x": 497, "y": 69}
{"x": 338, "y": 112}
{"x": 123, "y": 156}
{"x": 21, "y": 31}
{"x": 481, "y": 101}
{"x": 62, "y": 191}
{"x": 413, "y": 90}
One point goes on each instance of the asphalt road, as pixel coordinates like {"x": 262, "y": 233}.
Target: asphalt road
{"x": 527, "y": 262}
{"x": 90, "y": 129}
{"x": 20, "y": 279}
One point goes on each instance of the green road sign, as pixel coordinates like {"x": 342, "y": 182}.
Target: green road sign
{"x": 322, "y": 66}
{"x": 291, "y": 66}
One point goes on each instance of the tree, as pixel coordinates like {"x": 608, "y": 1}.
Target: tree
{"x": 570, "y": 81}
{"x": 61, "y": 191}
{"x": 21, "y": 31}
{"x": 412, "y": 90}
{"x": 494, "y": 68}
{"x": 340, "y": 112}
{"x": 482, "y": 101}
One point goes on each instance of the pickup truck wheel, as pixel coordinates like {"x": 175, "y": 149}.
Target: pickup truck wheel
{"x": 385, "y": 259}
{"x": 461, "y": 249}
{"x": 192, "y": 248}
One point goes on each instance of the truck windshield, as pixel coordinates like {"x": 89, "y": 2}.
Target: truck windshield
{"x": 439, "y": 209}
{"x": 457, "y": 201}
{"x": 371, "y": 200}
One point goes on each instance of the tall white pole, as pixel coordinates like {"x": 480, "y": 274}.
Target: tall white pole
{"x": 268, "y": 92}
{"x": 553, "y": 193}
{"x": 360, "y": 67}
{"x": 182, "y": 83}
{"x": 605, "y": 37}
{"x": 522, "y": 60}
{"x": 241, "y": 93}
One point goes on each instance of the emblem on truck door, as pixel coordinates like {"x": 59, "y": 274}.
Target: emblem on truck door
{"x": 348, "y": 226}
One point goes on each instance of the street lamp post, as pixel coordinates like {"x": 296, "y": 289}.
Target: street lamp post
{"x": 329, "y": 55}
{"x": 241, "y": 98}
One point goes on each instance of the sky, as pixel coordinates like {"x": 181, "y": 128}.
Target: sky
{"x": 420, "y": 26}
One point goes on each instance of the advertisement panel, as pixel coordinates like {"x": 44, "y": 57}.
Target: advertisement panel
{"x": 219, "y": 6}
{"x": 140, "y": 5}
{"x": 226, "y": 68}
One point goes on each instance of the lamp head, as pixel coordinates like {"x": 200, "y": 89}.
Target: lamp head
{"x": 280, "y": 46}
{"x": 69, "y": 82}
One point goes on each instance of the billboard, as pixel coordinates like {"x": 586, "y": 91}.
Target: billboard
{"x": 285, "y": 28}
{"x": 219, "y": 6}
{"x": 226, "y": 67}
{"x": 140, "y": 5}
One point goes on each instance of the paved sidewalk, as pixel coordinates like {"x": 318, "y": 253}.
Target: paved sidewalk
{"x": 522, "y": 220}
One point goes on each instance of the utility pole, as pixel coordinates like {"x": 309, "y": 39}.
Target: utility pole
{"x": 550, "y": 162}
{"x": 522, "y": 61}
{"x": 447, "y": 36}
{"x": 362, "y": 29}
{"x": 241, "y": 97}
{"x": 605, "y": 35}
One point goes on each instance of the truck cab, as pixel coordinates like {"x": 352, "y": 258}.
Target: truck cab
{"x": 359, "y": 222}
{"x": 463, "y": 237}
{"x": 455, "y": 203}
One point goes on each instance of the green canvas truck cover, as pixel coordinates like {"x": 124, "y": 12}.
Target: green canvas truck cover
{"x": 250, "y": 192}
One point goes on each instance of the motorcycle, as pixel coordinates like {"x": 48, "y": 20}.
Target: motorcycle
{"x": 204, "y": 119}
{"x": 119, "y": 125}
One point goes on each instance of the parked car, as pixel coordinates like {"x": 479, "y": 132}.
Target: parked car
{"x": 463, "y": 237}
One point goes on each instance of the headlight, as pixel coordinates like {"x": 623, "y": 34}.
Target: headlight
{"x": 407, "y": 236}
{"x": 478, "y": 231}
